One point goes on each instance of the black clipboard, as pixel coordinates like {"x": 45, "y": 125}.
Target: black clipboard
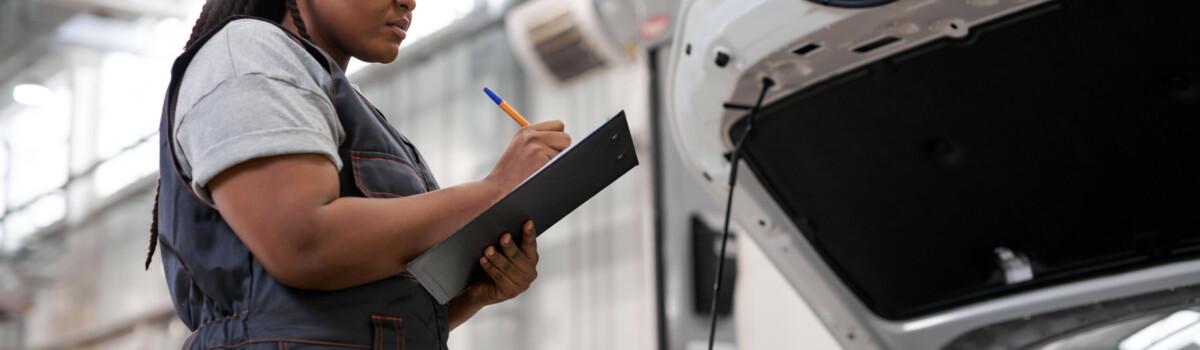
{"x": 563, "y": 184}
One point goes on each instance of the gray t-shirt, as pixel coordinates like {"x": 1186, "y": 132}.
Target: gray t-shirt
{"x": 251, "y": 92}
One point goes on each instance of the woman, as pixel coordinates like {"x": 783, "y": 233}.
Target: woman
{"x": 288, "y": 206}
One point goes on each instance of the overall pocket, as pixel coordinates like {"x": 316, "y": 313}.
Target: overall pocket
{"x": 385, "y": 175}
{"x": 388, "y": 332}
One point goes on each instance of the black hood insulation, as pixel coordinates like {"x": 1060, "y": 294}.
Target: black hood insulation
{"x": 1067, "y": 135}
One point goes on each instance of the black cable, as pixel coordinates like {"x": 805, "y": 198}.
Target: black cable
{"x": 767, "y": 83}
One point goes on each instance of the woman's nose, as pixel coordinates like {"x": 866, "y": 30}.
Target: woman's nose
{"x": 408, "y": 5}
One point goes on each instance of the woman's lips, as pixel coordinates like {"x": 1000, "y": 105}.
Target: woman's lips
{"x": 400, "y": 27}
{"x": 399, "y": 31}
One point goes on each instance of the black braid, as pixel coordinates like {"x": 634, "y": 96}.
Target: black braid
{"x": 213, "y": 14}
{"x": 199, "y": 27}
{"x": 297, "y": 19}
{"x": 154, "y": 224}
{"x": 216, "y": 11}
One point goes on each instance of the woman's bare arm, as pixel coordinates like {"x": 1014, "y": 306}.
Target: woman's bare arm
{"x": 287, "y": 211}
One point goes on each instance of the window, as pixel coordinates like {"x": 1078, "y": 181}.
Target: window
{"x": 130, "y": 88}
{"x": 35, "y": 156}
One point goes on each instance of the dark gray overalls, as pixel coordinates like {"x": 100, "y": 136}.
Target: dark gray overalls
{"x": 229, "y": 300}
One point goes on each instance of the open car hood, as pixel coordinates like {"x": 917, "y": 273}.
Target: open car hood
{"x": 956, "y": 174}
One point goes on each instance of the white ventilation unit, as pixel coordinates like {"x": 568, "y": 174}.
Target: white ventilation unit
{"x": 562, "y": 40}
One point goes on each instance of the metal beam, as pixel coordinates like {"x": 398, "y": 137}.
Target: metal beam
{"x": 129, "y": 8}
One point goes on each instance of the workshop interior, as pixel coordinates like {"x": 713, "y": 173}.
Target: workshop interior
{"x": 814, "y": 174}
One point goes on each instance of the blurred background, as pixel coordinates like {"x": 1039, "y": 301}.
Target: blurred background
{"x": 81, "y": 85}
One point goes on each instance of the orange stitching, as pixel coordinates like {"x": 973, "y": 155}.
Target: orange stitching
{"x": 298, "y": 341}
{"x": 388, "y": 194}
{"x": 191, "y": 338}
{"x": 380, "y": 158}
{"x": 362, "y": 187}
{"x": 378, "y": 336}
{"x": 235, "y": 315}
{"x": 396, "y": 325}
{"x": 239, "y": 314}
{"x": 357, "y": 179}
{"x": 404, "y": 163}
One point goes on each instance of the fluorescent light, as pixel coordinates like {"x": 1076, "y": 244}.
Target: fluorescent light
{"x": 1180, "y": 340}
{"x": 1157, "y": 332}
{"x": 103, "y": 33}
{"x": 32, "y": 94}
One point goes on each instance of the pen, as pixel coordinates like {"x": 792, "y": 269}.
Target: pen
{"x": 516, "y": 116}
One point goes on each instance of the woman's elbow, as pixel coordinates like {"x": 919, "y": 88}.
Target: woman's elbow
{"x": 302, "y": 278}
{"x": 298, "y": 268}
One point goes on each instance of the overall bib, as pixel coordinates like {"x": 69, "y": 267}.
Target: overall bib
{"x": 226, "y": 297}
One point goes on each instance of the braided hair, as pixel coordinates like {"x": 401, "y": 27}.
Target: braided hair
{"x": 214, "y": 13}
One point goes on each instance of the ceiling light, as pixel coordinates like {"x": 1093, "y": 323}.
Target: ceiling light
{"x": 1158, "y": 331}
{"x": 32, "y": 94}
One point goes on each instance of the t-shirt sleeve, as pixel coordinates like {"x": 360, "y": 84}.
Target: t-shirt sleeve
{"x": 252, "y": 92}
{"x": 254, "y": 116}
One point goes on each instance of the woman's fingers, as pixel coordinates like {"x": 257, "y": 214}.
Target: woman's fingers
{"x": 514, "y": 254}
{"x": 497, "y": 267}
{"x": 511, "y": 266}
{"x": 549, "y": 125}
{"x": 518, "y": 264}
{"x": 529, "y": 242}
{"x": 499, "y": 260}
{"x": 525, "y": 263}
{"x": 556, "y": 140}
{"x": 507, "y": 246}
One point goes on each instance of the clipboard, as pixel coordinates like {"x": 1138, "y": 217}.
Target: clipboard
{"x": 563, "y": 184}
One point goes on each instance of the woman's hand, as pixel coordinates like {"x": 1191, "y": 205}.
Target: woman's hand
{"x": 512, "y": 268}
{"x": 531, "y": 148}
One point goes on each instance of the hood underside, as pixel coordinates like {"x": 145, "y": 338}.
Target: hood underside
{"x": 1052, "y": 145}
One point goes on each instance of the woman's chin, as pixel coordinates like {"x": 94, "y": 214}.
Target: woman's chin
{"x": 384, "y": 55}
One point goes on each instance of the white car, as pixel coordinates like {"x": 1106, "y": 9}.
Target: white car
{"x": 959, "y": 174}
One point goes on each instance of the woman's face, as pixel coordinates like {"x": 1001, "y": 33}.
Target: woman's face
{"x": 370, "y": 30}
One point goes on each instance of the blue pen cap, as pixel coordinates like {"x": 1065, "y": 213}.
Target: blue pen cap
{"x": 495, "y": 98}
